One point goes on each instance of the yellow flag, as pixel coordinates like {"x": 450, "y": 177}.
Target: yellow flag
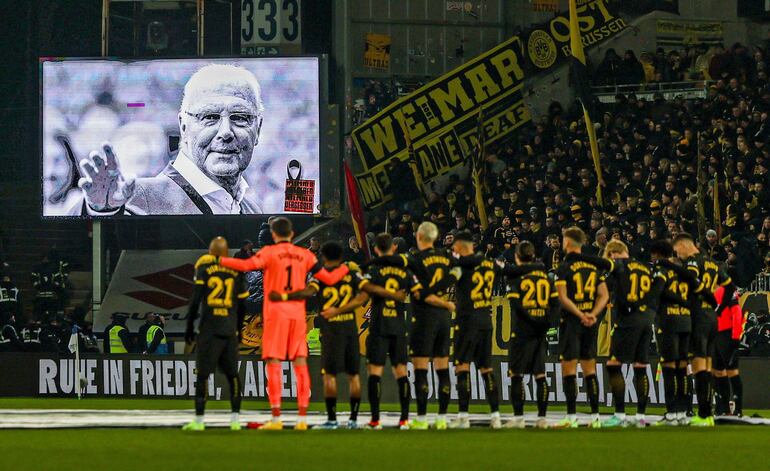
{"x": 576, "y": 45}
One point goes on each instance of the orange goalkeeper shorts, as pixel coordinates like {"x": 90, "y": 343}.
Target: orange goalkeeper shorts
{"x": 284, "y": 338}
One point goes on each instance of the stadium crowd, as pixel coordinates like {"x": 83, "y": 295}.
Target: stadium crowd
{"x": 545, "y": 180}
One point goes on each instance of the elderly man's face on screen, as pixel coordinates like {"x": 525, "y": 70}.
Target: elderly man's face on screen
{"x": 220, "y": 119}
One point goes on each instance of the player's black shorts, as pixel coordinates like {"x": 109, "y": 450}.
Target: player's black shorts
{"x": 430, "y": 335}
{"x": 725, "y": 351}
{"x": 378, "y": 347}
{"x": 631, "y": 343}
{"x": 673, "y": 346}
{"x": 526, "y": 355}
{"x": 340, "y": 353}
{"x": 702, "y": 339}
{"x": 577, "y": 342}
{"x": 472, "y": 344}
{"x": 214, "y": 351}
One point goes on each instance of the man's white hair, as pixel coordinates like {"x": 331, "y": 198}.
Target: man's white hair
{"x": 227, "y": 78}
{"x": 427, "y": 231}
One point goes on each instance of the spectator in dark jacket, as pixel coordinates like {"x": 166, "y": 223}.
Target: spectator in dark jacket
{"x": 631, "y": 70}
{"x": 265, "y": 238}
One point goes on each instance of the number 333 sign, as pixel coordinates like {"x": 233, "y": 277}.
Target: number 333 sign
{"x": 269, "y": 23}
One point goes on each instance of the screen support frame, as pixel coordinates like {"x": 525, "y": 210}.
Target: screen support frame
{"x": 97, "y": 240}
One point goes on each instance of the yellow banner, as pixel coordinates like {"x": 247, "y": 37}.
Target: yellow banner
{"x": 550, "y": 43}
{"x": 440, "y": 118}
{"x": 377, "y": 51}
{"x": 677, "y": 32}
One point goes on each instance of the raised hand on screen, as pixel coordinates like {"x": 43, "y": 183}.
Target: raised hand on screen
{"x": 104, "y": 186}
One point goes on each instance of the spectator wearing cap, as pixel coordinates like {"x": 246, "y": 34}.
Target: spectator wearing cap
{"x": 713, "y": 248}
{"x": 656, "y": 216}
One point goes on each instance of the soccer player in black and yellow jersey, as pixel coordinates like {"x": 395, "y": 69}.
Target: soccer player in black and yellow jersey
{"x": 704, "y": 320}
{"x": 535, "y": 308}
{"x": 583, "y": 296}
{"x": 431, "y": 324}
{"x": 635, "y": 292}
{"x": 673, "y": 328}
{"x": 473, "y": 329}
{"x": 388, "y": 332}
{"x": 219, "y": 294}
{"x": 339, "y": 333}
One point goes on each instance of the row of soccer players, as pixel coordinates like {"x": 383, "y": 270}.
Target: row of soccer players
{"x": 677, "y": 295}
{"x": 678, "y": 300}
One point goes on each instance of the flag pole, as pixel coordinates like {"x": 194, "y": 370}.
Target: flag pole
{"x": 77, "y": 367}
{"x": 74, "y": 347}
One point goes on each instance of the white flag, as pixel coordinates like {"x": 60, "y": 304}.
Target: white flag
{"x": 73, "y": 343}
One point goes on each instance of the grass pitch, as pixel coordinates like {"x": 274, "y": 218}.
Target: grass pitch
{"x": 726, "y": 447}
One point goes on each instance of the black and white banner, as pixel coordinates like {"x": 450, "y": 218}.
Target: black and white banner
{"x": 137, "y": 376}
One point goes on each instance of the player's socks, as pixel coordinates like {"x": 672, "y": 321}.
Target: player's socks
{"x": 444, "y": 391}
{"x": 737, "y": 386}
{"x": 593, "y": 393}
{"x": 702, "y": 391}
{"x": 404, "y": 396}
{"x": 235, "y": 417}
{"x": 542, "y": 396}
{"x": 642, "y": 386}
{"x": 490, "y": 388}
{"x": 618, "y": 387}
{"x": 199, "y": 418}
{"x": 421, "y": 393}
{"x": 517, "y": 395}
{"x": 303, "y": 388}
{"x": 463, "y": 391}
{"x": 235, "y": 393}
{"x": 374, "y": 397}
{"x": 690, "y": 388}
{"x": 274, "y": 388}
{"x": 570, "y": 393}
{"x": 201, "y": 390}
{"x": 331, "y": 409}
{"x": 683, "y": 397}
{"x": 670, "y": 389}
{"x": 355, "y": 404}
{"x": 722, "y": 387}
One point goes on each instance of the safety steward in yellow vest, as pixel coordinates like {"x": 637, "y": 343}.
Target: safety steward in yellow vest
{"x": 116, "y": 335}
{"x": 156, "y": 337}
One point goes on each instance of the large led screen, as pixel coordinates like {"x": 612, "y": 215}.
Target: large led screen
{"x": 180, "y": 137}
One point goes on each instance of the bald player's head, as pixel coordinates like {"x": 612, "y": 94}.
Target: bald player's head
{"x": 218, "y": 247}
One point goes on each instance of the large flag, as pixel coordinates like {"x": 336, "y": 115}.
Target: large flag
{"x": 356, "y": 211}
{"x": 478, "y": 172}
{"x": 412, "y": 161}
{"x": 579, "y": 79}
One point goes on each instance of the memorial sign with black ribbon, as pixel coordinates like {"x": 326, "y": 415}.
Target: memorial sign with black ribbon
{"x": 299, "y": 193}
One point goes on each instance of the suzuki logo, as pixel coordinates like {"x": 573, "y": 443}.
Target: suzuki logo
{"x": 173, "y": 287}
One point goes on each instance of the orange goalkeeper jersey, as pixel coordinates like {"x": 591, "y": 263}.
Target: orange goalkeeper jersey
{"x": 285, "y": 267}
